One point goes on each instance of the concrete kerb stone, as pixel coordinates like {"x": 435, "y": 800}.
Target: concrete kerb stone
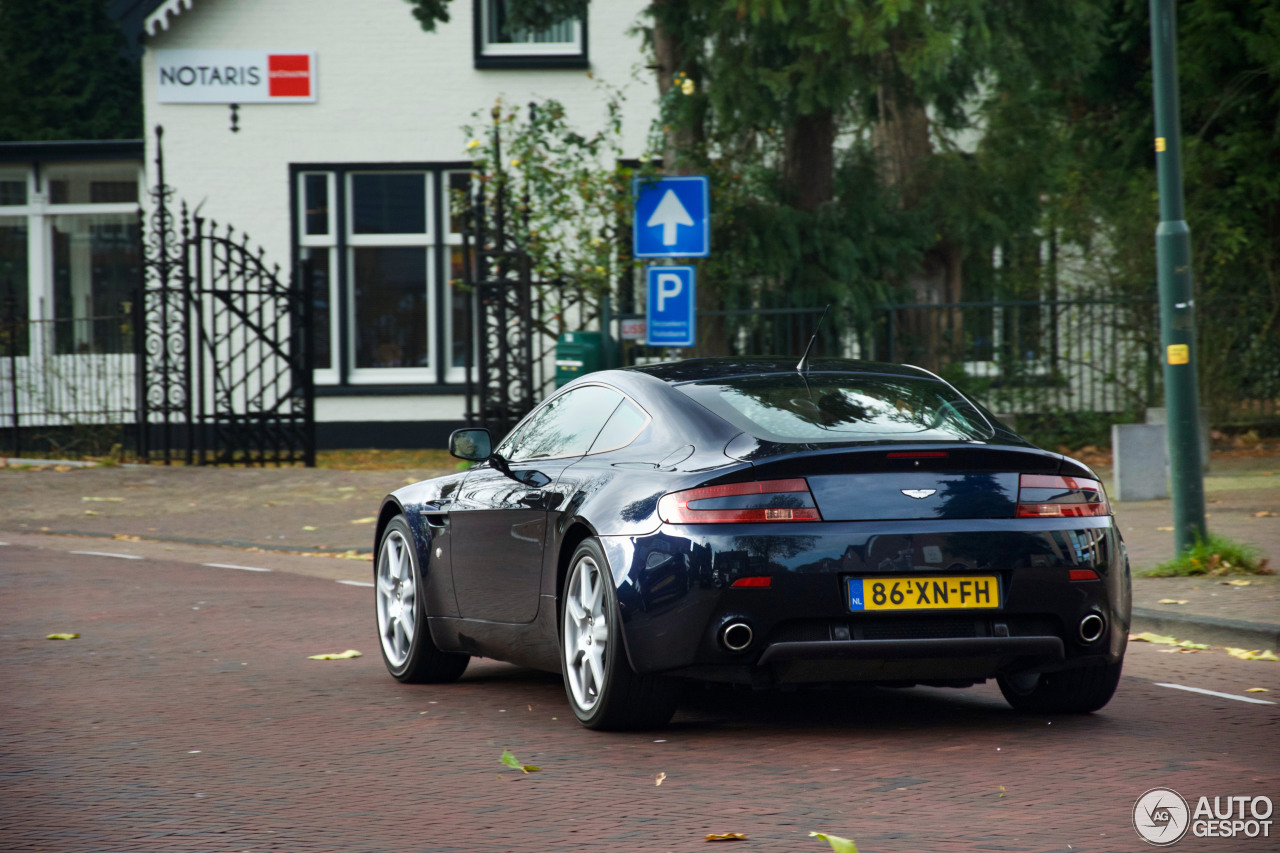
{"x": 1199, "y": 628}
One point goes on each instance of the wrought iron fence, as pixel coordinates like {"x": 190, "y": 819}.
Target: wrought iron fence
{"x": 68, "y": 383}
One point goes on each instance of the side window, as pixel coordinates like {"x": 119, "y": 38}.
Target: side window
{"x": 623, "y": 427}
{"x": 566, "y": 426}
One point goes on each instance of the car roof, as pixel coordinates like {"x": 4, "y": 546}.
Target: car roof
{"x": 710, "y": 369}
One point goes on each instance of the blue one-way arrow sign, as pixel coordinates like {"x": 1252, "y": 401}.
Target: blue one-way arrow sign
{"x": 672, "y": 217}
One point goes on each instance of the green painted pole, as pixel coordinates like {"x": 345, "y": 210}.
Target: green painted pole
{"x": 1177, "y": 296}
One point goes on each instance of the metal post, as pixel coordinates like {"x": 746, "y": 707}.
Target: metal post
{"x": 1177, "y": 305}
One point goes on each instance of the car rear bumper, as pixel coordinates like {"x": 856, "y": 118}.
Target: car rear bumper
{"x": 676, "y": 594}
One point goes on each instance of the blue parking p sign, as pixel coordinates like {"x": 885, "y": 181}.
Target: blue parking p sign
{"x": 672, "y": 217}
{"x": 671, "y": 316}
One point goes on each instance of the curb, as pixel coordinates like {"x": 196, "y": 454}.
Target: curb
{"x": 1207, "y": 629}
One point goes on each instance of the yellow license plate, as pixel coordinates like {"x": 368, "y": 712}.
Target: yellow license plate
{"x": 972, "y": 592}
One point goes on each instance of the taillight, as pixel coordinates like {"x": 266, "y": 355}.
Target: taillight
{"x": 768, "y": 500}
{"x": 1047, "y": 496}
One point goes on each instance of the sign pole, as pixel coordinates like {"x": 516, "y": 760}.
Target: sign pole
{"x": 1177, "y": 296}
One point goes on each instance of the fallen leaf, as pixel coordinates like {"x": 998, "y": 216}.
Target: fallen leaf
{"x": 1252, "y": 654}
{"x": 727, "y": 836}
{"x": 1164, "y": 640}
{"x": 309, "y": 527}
{"x": 91, "y": 512}
{"x": 1257, "y": 690}
{"x": 658, "y": 780}
{"x": 838, "y": 844}
{"x": 62, "y": 469}
{"x": 346, "y": 488}
{"x": 1266, "y": 513}
{"x": 116, "y": 500}
{"x": 1235, "y": 583}
{"x": 1165, "y": 529}
{"x": 510, "y": 760}
{"x": 1172, "y": 601}
{"x": 367, "y": 520}
{"x": 63, "y": 637}
{"x": 1001, "y": 792}
{"x": 347, "y": 655}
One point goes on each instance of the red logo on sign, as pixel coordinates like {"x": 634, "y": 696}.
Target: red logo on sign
{"x": 289, "y": 75}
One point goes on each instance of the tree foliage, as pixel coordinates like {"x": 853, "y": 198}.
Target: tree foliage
{"x": 64, "y": 75}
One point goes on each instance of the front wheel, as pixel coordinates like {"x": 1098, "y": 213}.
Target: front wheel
{"x": 1071, "y": 691}
{"x": 603, "y": 690}
{"x": 407, "y": 648}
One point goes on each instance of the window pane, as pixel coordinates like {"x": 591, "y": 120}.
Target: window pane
{"x": 318, "y": 269}
{"x": 12, "y": 192}
{"x": 458, "y": 200}
{"x": 95, "y": 272}
{"x": 316, "y": 201}
{"x": 93, "y": 184}
{"x": 500, "y": 32}
{"x": 13, "y": 284}
{"x": 459, "y": 299}
{"x": 625, "y": 424}
{"x": 566, "y": 426}
{"x": 391, "y": 307}
{"x": 389, "y": 203}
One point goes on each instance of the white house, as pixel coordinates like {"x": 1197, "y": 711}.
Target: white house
{"x": 343, "y": 141}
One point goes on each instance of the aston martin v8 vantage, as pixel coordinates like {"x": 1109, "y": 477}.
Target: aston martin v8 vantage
{"x": 740, "y": 520}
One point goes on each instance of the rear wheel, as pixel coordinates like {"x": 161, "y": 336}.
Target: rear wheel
{"x": 1071, "y": 691}
{"x": 407, "y": 649}
{"x": 603, "y": 690}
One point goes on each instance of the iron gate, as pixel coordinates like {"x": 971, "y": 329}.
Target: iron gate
{"x": 224, "y": 346}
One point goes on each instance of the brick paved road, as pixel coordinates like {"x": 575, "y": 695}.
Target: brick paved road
{"x": 187, "y": 718}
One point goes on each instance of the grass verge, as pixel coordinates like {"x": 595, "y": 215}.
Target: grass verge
{"x": 1216, "y": 555}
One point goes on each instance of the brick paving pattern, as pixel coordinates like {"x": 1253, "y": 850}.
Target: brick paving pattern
{"x": 188, "y": 718}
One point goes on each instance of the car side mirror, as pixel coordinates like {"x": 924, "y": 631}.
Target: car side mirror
{"x": 474, "y": 445}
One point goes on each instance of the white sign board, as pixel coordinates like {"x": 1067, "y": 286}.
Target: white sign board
{"x": 235, "y": 76}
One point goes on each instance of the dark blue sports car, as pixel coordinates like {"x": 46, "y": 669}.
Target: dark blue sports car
{"x": 747, "y": 521}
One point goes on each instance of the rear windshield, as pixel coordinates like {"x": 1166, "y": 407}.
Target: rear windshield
{"x": 832, "y": 407}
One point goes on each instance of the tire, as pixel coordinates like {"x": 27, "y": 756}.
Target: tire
{"x": 604, "y": 692}
{"x": 404, "y": 638}
{"x": 1071, "y": 691}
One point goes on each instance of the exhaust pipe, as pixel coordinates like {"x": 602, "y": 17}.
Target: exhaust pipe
{"x": 736, "y": 636}
{"x": 1092, "y": 627}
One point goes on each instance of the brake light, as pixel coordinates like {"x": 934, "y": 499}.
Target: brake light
{"x": 1048, "y": 496}
{"x": 754, "y": 582}
{"x": 766, "y": 500}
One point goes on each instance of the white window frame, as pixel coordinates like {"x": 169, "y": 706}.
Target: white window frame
{"x": 327, "y": 243}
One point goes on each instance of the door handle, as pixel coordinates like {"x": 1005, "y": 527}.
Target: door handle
{"x": 532, "y": 498}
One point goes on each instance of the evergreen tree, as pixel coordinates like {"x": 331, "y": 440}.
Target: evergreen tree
{"x": 64, "y": 73}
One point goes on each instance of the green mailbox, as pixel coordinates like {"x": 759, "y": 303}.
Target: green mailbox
{"x": 578, "y": 353}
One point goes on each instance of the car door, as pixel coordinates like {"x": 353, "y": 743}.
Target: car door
{"x": 499, "y": 524}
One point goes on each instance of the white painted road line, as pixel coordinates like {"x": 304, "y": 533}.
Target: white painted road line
{"x": 356, "y": 583}
{"x": 1216, "y": 693}
{"x": 105, "y": 554}
{"x": 230, "y": 566}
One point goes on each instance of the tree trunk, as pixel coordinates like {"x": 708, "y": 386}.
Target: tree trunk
{"x": 808, "y": 169}
{"x": 900, "y": 140}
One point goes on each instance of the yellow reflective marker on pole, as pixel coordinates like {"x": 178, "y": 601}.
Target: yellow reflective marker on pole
{"x": 1179, "y": 353}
